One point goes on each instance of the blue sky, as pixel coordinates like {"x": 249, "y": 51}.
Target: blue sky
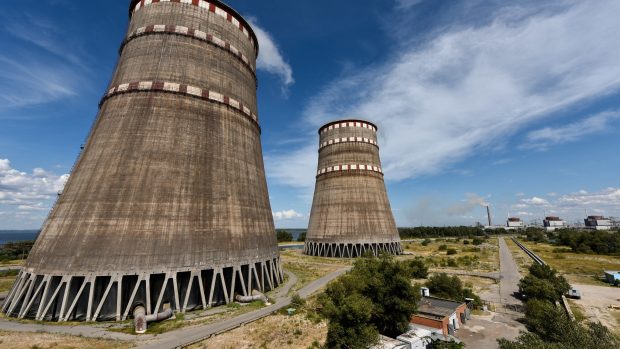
{"x": 513, "y": 104}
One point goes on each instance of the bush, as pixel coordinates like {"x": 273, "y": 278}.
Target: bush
{"x": 424, "y": 232}
{"x": 416, "y": 269}
{"x": 550, "y": 328}
{"x": 451, "y": 251}
{"x": 543, "y": 283}
{"x": 450, "y": 287}
{"x": 425, "y": 242}
{"x": 465, "y": 242}
{"x": 443, "y": 247}
{"x": 15, "y": 250}
{"x": 297, "y": 301}
{"x": 284, "y": 236}
{"x": 478, "y": 241}
{"x": 452, "y": 262}
{"x": 302, "y": 236}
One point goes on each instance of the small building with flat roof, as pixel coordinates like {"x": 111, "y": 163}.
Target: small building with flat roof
{"x": 443, "y": 314}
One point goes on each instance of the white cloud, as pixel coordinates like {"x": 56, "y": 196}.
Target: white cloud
{"x": 464, "y": 90}
{"x": 536, "y": 201}
{"x": 22, "y": 192}
{"x": 573, "y": 206}
{"x": 543, "y": 138}
{"x": 608, "y": 197}
{"x": 285, "y": 215}
{"x": 270, "y": 58}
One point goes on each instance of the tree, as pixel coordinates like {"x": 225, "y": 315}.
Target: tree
{"x": 302, "y": 236}
{"x": 439, "y": 344}
{"x": 284, "y": 236}
{"x": 416, "y": 268}
{"x": 544, "y": 283}
{"x": 450, "y": 287}
{"x": 550, "y": 328}
{"x": 375, "y": 297}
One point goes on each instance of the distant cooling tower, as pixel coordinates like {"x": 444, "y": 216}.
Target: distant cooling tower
{"x": 351, "y": 212}
{"x": 168, "y": 202}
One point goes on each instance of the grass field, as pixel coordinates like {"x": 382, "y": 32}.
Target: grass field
{"x": 481, "y": 258}
{"x": 577, "y": 267}
{"x": 300, "y": 331}
{"x": 23, "y": 340}
{"x": 307, "y": 268}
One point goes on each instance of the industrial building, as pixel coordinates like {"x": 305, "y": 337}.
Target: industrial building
{"x": 351, "y": 213}
{"x": 597, "y": 223}
{"x": 551, "y": 223}
{"x": 514, "y": 223}
{"x": 167, "y": 205}
{"x": 442, "y": 314}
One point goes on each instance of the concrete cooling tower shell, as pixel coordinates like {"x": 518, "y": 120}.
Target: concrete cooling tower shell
{"x": 168, "y": 201}
{"x": 351, "y": 213}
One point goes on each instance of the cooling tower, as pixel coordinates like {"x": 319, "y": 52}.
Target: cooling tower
{"x": 351, "y": 212}
{"x": 167, "y": 203}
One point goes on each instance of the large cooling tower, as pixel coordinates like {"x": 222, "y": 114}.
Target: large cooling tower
{"x": 351, "y": 213}
{"x": 168, "y": 202}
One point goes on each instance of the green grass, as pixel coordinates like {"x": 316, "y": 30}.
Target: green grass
{"x": 586, "y": 268}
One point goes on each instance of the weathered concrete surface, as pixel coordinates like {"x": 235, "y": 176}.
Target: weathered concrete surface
{"x": 482, "y": 332}
{"x": 168, "y": 200}
{"x": 351, "y": 212}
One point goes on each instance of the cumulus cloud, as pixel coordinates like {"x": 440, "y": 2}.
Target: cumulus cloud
{"x": 536, "y": 201}
{"x": 469, "y": 87}
{"x": 572, "y": 206}
{"x": 22, "y": 192}
{"x": 286, "y": 215}
{"x": 543, "y": 138}
{"x": 270, "y": 58}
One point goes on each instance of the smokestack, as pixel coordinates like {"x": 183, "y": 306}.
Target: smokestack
{"x": 489, "y": 216}
{"x": 351, "y": 213}
{"x": 168, "y": 202}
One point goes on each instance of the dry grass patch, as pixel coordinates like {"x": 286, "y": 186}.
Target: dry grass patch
{"x": 308, "y": 269}
{"x": 587, "y": 267}
{"x": 28, "y": 340}
{"x": 480, "y": 258}
{"x": 275, "y": 331}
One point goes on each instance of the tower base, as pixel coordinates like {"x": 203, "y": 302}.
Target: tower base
{"x": 350, "y": 250}
{"x": 114, "y": 296}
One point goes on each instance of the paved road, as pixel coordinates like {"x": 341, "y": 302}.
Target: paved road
{"x": 510, "y": 276}
{"x": 183, "y": 336}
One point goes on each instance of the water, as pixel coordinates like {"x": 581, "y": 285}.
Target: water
{"x": 17, "y": 235}
{"x": 295, "y": 232}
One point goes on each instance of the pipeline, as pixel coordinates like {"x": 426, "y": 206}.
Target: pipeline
{"x": 256, "y": 296}
{"x": 140, "y": 319}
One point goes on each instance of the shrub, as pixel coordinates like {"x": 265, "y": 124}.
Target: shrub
{"x": 465, "y": 242}
{"x": 284, "y": 236}
{"x": 417, "y": 269}
{"x": 477, "y": 241}
{"x": 443, "y": 247}
{"x": 451, "y": 251}
{"x": 426, "y": 242}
